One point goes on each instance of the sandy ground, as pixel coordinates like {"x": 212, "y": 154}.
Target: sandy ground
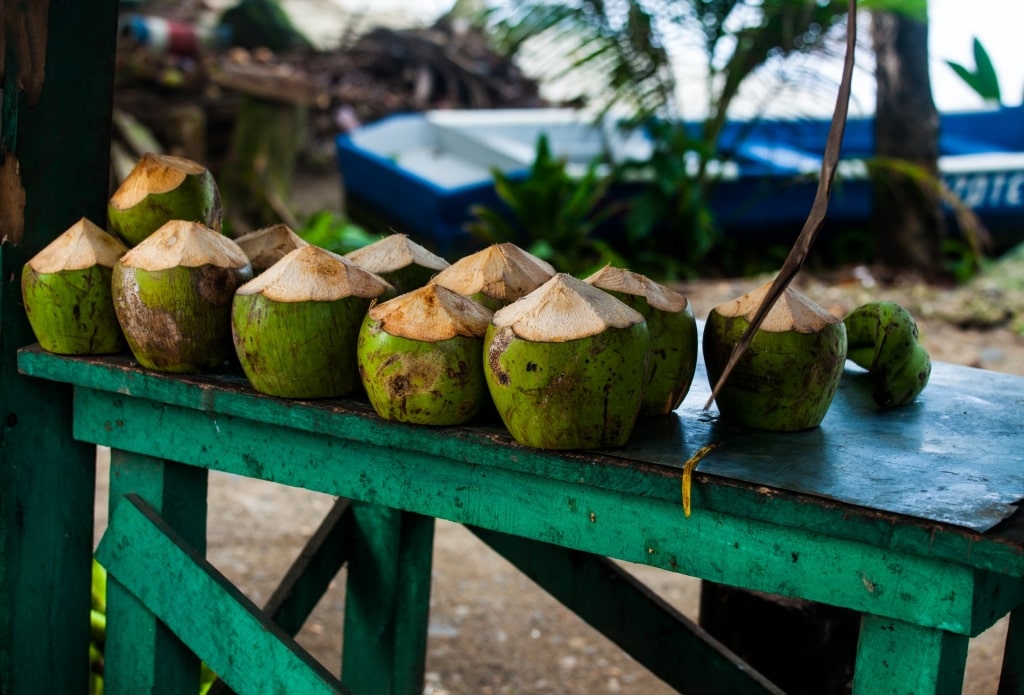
{"x": 492, "y": 630}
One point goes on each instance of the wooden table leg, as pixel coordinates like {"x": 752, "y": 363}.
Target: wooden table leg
{"x": 1011, "y": 678}
{"x": 898, "y": 657}
{"x": 141, "y": 654}
{"x": 387, "y": 601}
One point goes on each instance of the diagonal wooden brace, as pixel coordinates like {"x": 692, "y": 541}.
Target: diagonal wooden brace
{"x": 199, "y": 605}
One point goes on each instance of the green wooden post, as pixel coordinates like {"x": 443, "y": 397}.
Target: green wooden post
{"x": 387, "y": 601}
{"x": 142, "y": 655}
{"x": 56, "y": 79}
{"x": 904, "y": 659}
{"x": 1011, "y": 678}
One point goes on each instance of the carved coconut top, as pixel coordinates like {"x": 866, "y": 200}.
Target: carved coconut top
{"x": 628, "y": 282}
{"x": 82, "y": 245}
{"x": 313, "y": 274}
{"x": 267, "y": 246}
{"x": 189, "y": 244}
{"x": 393, "y": 252}
{"x": 432, "y": 313}
{"x": 792, "y": 312}
{"x": 502, "y": 271}
{"x": 565, "y": 308}
{"x": 153, "y": 173}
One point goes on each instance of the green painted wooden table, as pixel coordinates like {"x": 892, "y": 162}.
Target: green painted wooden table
{"x": 907, "y": 516}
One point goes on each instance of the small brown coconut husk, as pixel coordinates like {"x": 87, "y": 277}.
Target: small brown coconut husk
{"x": 566, "y": 365}
{"x": 295, "y": 326}
{"x": 399, "y": 260}
{"x": 267, "y": 246}
{"x": 66, "y": 292}
{"x": 173, "y": 296}
{"x": 497, "y": 275}
{"x": 421, "y": 357}
{"x": 788, "y": 376}
{"x": 673, "y": 334}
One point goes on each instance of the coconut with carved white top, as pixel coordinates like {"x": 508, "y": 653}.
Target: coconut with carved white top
{"x": 172, "y": 294}
{"x": 399, "y": 260}
{"x": 295, "y": 325}
{"x": 67, "y": 296}
{"x": 787, "y": 378}
{"x": 566, "y": 365}
{"x": 673, "y": 334}
{"x": 497, "y": 275}
{"x": 421, "y": 357}
{"x": 161, "y": 188}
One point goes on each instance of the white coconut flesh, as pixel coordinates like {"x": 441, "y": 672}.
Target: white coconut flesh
{"x": 431, "y": 314}
{"x": 563, "y": 309}
{"x": 628, "y": 282}
{"x": 313, "y": 274}
{"x": 792, "y": 312}
{"x": 266, "y": 246}
{"x": 394, "y": 252}
{"x": 189, "y": 244}
{"x": 83, "y": 245}
{"x": 153, "y": 174}
{"x": 502, "y": 271}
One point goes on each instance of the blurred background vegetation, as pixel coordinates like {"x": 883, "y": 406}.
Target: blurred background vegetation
{"x": 265, "y": 103}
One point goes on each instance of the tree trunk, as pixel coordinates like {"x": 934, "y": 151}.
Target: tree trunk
{"x": 908, "y": 219}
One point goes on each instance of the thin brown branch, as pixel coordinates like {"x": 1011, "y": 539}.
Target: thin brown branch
{"x": 802, "y": 246}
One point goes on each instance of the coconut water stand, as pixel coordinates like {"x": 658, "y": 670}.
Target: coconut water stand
{"x": 907, "y": 517}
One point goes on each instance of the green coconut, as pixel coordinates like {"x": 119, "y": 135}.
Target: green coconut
{"x": 265, "y": 247}
{"x": 673, "y": 334}
{"x": 399, "y": 260}
{"x": 566, "y": 365}
{"x": 66, "y": 291}
{"x": 295, "y": 325}
{"x": 172, "y": 294}
{"x": 421, "y": 357}
{"x": 882, "y": 338}
{"x": 788, "y": 377}
{"x": 160, "y": 188}
{"x": 496, "y": 276}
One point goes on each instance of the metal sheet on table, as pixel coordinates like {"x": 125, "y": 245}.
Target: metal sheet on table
{"x": 955, "y": 455}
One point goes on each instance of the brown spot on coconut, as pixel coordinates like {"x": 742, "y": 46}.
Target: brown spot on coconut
{"x": 788, "y": 377}
{"x": 497, "y": 275}
{"x": 421, "y": 357}
{"x": 172, "y": 294}
{"x": 565, "y": 366}
{"x": 265, "y": 247}
{"x": 295, "y": 326}
{"x": 67, "y": 295}
{"x": 160, "y": 188}
{"x": 399, "y": 260}
{"x": 673, "y": 334}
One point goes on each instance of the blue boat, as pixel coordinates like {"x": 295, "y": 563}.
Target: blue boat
{"x": 423, "y": 172}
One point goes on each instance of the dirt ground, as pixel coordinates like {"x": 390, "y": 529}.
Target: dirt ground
{"x": 491, "y": 630}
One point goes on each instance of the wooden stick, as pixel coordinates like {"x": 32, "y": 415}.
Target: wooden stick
{"x": 802, "y": 246}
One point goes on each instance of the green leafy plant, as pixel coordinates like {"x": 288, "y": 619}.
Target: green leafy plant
{"x": 334, "y": 232}
{"x": 551, "y": 213}
{"x": 982, "y": 79}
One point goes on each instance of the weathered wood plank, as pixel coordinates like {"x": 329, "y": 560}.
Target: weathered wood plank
{"x": 141, "y": 654}
{"x": 736, "y": 551}
{"x": 387, "y": 601}
{"x": 492, "y": 447}
{"x": 53, "y": 154}
{"x": 613, "y": 602}
{"x": 204, "y": 609}
{"x": 308, "y": 578}
{"x": 897, "y": 657}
